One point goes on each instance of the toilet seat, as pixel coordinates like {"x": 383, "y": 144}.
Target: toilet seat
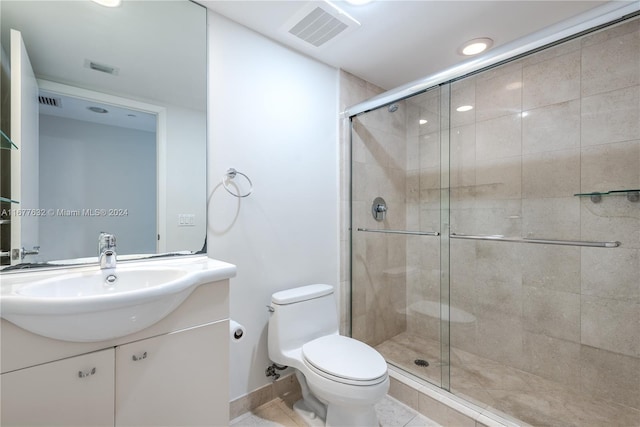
{"x": 345, "y": 360}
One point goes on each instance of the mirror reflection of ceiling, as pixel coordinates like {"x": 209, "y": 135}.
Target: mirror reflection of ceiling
{"x": 93, "y": 33}
{"x": 107, "y": 114}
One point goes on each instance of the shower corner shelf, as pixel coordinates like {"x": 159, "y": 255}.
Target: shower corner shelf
{"x": 596, "y": 196}
{"x": 6, "y": 142}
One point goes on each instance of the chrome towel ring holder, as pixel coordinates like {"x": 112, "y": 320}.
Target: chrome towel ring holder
{"x": 231, "y": 174}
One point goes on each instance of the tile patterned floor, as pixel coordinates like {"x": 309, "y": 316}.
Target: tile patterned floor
{"x": 279, "y": 413}
{"x": 507, "y": 390}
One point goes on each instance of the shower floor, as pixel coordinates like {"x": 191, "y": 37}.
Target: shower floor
{"x": 516, "y": 393}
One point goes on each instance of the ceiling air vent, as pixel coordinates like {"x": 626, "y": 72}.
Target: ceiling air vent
{"x": 317, "y": 25}
{"x": 50, "y": 101}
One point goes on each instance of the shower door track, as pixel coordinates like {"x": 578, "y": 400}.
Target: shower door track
{"x": 415, "y": 233}
{"x": 498, "y": 238}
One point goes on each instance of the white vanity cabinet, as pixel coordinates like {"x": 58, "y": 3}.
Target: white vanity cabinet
{"x": 173, "y": 373}
{"x": 168, "y": 380}
{"x": 174, "y": 379}
{"x": 78, "y": 391}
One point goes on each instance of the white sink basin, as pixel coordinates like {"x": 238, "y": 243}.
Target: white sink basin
{"x": 101, "y": 283}
{"x": 88, "y": 304}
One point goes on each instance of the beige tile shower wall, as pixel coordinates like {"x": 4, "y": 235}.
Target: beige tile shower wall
{"x": 352, "y": 91}
{"x": 379, "y": 260}
{"x": 563, "y": 121}
{"x": 397, "y": 277}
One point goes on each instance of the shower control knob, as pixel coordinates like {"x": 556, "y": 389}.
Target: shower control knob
{"x": 379, "y": 209}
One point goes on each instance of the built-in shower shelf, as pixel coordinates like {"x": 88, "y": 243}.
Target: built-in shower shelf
{"x": 397, "y": 272}
{"x": 596, "y": 197}
{"x": 6, "y": 142}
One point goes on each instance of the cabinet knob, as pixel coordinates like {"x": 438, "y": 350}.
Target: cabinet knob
{"x": 84, "y": 374}
{"x": 136, "y": 358}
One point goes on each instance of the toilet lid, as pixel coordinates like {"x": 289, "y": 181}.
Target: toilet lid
{"x": 345, "y": 357}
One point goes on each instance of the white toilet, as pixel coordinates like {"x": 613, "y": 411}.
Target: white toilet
{"x": 341, "y": 378}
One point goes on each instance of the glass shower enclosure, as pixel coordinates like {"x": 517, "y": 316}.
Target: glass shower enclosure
{"x": 495, "y": 232}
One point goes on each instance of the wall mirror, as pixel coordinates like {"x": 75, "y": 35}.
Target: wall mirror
{"x": 103, "y": 129}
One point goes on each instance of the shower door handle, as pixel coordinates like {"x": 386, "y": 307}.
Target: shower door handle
{"x": 500, "y": 238}
{"x": 414, "y": 233}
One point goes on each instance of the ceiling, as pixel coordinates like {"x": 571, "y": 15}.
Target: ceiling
{"x": 157, "y": 47}
{"x": 398, "y": 41}
{"x": 401, "y": 41}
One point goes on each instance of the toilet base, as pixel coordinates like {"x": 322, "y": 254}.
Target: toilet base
{"x": 341, "y": 416}
{"x": 362, "y": 419}
{"x": 354, "y": 409}
{"x": 309, "y": 417}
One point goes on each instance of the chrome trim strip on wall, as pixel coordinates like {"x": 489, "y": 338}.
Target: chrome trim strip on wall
{"x": 497, "y": 238}
{"x": 415, "y": 233}
{"x": 593, "y": 18}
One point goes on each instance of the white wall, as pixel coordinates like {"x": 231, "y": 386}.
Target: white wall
{"x": 93, "y": 166}
{"x": 185, "y": 185}
{"x": 273, "y": 115}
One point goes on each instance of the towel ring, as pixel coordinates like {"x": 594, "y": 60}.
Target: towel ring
{"x": 231, "y": 174}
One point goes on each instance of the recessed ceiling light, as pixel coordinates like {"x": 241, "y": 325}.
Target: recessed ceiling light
{"x": 423, "y": 122}
{"x": 103, "y": 68}
{"x": 464, "y": 108}
{"x": 358, "y": 2}
{"x": 475, "y": 46}
{"x": 108, "y": 3}
{"x": 98, "y": 110}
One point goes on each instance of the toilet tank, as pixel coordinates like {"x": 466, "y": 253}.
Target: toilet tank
{"x": 299, "y": 316}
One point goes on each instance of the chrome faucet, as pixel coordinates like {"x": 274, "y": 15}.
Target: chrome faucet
{"x": 107, "y": 250}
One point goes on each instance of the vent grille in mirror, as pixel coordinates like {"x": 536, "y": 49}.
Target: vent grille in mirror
{"x": 50, "y": 101}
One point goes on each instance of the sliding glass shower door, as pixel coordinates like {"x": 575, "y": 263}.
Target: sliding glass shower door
{"x": 545, "y": 274}
{"x": 396, "y": 228}
{"x": 496, "y": 233}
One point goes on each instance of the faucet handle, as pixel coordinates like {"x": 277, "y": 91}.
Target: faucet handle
{"x": 107, "y": 237}
{"x": 106, "y": 241}
{"x": 107, "y": 250}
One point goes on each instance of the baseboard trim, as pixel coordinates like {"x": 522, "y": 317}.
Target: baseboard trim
{"x": 283, "y": 388}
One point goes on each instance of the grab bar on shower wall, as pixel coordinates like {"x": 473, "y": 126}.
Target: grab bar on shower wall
{"x": 498, "y": 238}
{"x": 416, "y": 233}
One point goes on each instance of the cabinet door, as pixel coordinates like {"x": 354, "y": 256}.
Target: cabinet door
{"x": 179, "y": 379}
{"x": 78, "y": 391}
